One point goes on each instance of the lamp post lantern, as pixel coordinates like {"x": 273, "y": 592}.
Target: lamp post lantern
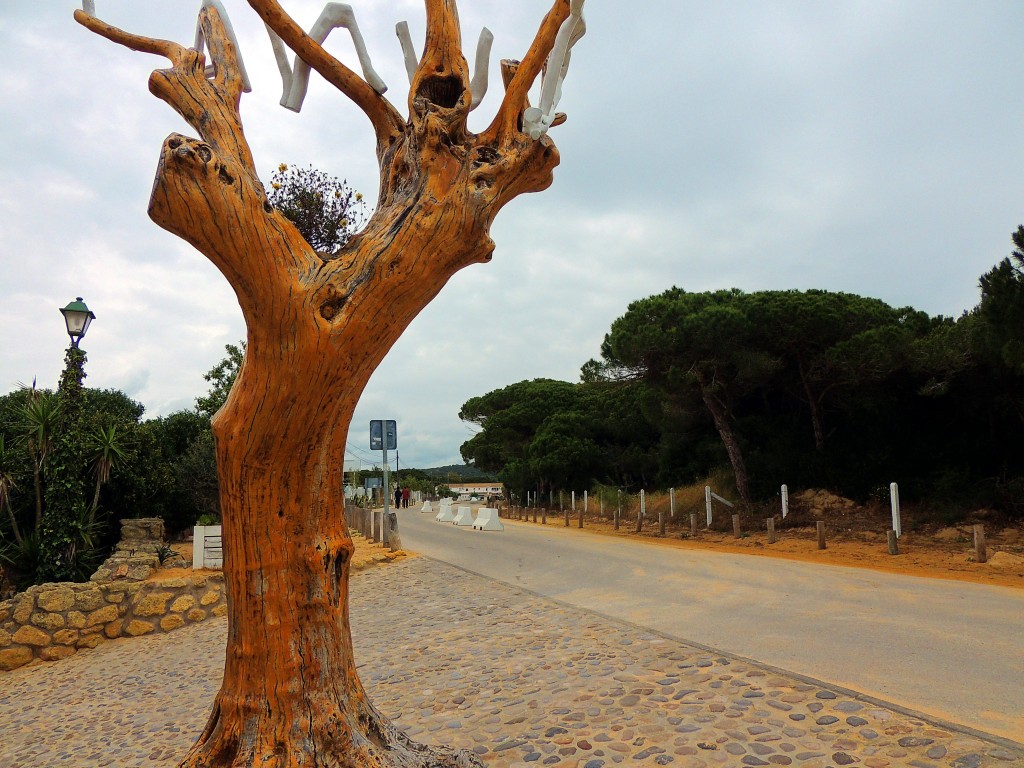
{"x": 77, "y": 318}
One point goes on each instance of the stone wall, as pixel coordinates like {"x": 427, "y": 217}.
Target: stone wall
{"x": 54, "y": 621}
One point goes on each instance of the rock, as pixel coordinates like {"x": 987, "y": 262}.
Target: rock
{"x": 120, "y": 572}
{"x": 914, "y": 741}
{"x": 153, "y": 604}
{"x": 89, "y": 642}
{"x": 12, "y": 658}
{"x": 183, "y": 603}
{"x": 220, "y": 610}
{"x": 56, "y": 652}
{"x": 1005, "y": 560}
{"x": 76, "y": 619}
{"x": 197, "y": 614}
{"x": 5, "y": 638}
{"x": 101, "y": 616}
{"x": 113, "y": 629}
{"x": 173, "y": 621}
{"x": 23, "y": 610}
{"x": 209, "y": 597}
{"x": 65, "y": 636}
{"x": 48, "y": 620}
{"x": 56, "y": 600}
{"x": 136, "y": 627}
{"x": 140, "y": 572}
{"x": 88, "y": 600}
{"x": 29, "y": 635}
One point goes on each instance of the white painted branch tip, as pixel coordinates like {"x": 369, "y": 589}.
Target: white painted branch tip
{"x": 211, "y": 70}
{"x": 537, "y": 120}
{"x": 295, "y": 78}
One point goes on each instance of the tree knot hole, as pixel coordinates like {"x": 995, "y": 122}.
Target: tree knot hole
{"x": 330, "y": 308}
{"x": 442, "y": 90}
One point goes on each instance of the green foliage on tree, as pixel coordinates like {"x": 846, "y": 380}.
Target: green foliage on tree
{"x": 326, "y": 211}
{"x": 809, "y": 388}
{"x": 221, "y": 377}
{"x": 1002, "y": 307}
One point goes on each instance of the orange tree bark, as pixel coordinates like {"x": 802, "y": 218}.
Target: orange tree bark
{"x": 318, "y": 325}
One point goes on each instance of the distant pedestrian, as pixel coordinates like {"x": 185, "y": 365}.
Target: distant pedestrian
{"x": 405, "y": 497}
{"x": 398, "y": 497}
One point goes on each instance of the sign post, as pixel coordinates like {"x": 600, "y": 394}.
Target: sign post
{"x": 384, "y": 435}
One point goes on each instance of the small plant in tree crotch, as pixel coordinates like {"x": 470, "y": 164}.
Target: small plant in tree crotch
{"x": 318, "y": 324}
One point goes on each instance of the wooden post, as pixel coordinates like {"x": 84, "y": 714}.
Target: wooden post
{"x": 693, "y": 523}
{"x": 821, "y": 533}
{"x": 373, "y": 526}
{"x": 640, "y": 514}
{"x": 581, "y": 517}
{"x": 893, "y": 542}
{"x": 661, "y": 521}
{"x": 615, "y": 517}
{"x": 736, "y": 526}
{"x": 394, "y": 541}
{"x": 894, "y": 500}
{"x": 535, "y": 514}
{"x": 980, "y": 550}
{"x": 544, "y": 516}
{"x": 770, "y": 523}
{"x": 566, "y": 513}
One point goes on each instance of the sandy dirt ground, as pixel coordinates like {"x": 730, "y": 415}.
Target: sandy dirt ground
{"x": 366, "y": 555}
{"x": 945, "y": 554}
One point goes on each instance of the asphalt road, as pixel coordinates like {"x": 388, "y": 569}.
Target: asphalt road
{"x": 951, "y": 649}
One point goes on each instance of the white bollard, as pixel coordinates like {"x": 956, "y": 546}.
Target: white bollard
{"x": 464, "y": 516}
{"x": 785, "y": 501}
{"x": 894, "y": 499}
{"x": 487, "y": 520}
{"x": 707, "y": 502}
{"x": 426, "y": 507}
{"x": 574, "y": 501}
{"x": 672, "y": 502}
{"x": 585, "y": 502}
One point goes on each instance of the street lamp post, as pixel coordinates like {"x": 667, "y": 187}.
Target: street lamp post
{"x": 77, "y": 318}
{"x": 63, "y": 534}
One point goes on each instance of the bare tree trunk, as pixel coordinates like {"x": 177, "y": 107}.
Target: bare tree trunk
{"x": 318, "y": 326}
{"x": 720, "y": 416}
{"x": 813, "y": 403}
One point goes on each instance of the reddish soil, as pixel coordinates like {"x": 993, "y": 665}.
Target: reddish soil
{"x": 855, "y": 536}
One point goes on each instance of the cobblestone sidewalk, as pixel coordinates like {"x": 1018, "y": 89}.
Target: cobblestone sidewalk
{"x": 521, "y": 680}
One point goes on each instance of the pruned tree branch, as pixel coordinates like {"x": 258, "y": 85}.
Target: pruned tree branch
{"x": 440, "y": 89}
{"x": 506, "y": 121}
{"x": 170, "y": 50}
{"x": 387, "y": 122}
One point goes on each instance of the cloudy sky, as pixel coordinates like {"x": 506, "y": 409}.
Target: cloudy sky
{"x": 871, "y": 147}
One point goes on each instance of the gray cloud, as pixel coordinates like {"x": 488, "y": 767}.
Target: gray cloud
{"x": 860, "y": 146}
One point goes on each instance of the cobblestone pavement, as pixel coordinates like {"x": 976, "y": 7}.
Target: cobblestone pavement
{"x": 521, "y": 680}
